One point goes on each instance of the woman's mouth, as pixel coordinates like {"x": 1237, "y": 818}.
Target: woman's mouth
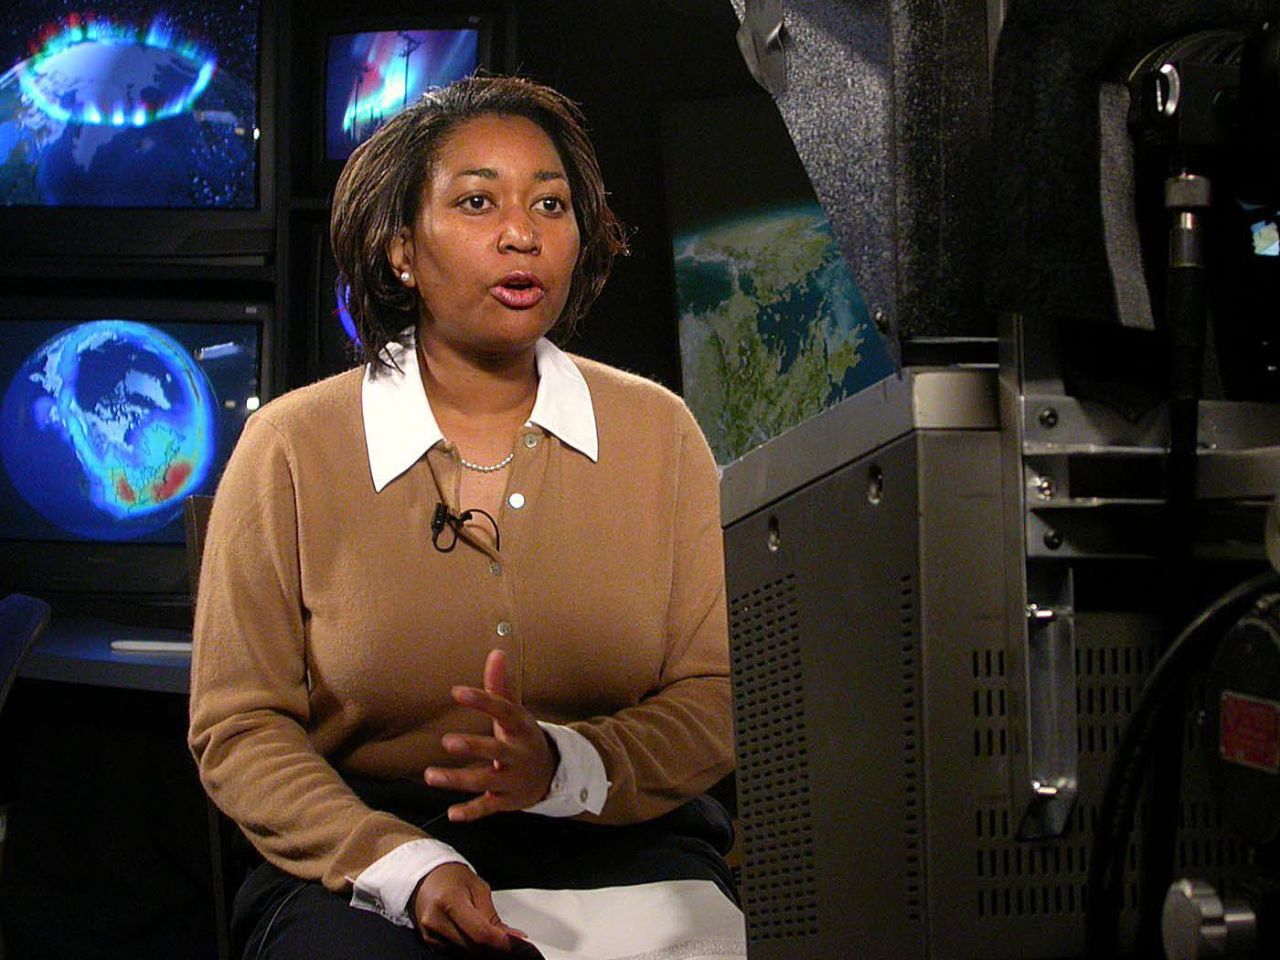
{"x": 518, "y": 291}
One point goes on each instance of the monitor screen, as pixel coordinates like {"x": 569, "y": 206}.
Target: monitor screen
{"x": 111, "y": 414}
{"x": 129, "y": 104}
{"x": 334, "y": 341}
{"x": 1266, "y": 238}
{"x": 773, "y": 325}
{"x": 372, "y": 75}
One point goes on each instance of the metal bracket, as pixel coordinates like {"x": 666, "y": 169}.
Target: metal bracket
{"x": 762, "y": 40}
{"x": 1051, "y": 722}
{"x": 1040, "y": 593}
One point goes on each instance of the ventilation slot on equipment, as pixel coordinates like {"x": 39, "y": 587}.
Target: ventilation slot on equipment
{"x": 990, "y": 707}
{"x": 1025, "y": 880}
{"x": 779, "y": 877}
{"x": 914, "y": 786}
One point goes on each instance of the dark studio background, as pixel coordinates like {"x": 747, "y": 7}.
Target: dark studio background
{"x": 952, "y": 205}
{"x": 106, "y": 854}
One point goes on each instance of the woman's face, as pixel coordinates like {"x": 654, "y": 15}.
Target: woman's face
{"x": 495, "y": 243}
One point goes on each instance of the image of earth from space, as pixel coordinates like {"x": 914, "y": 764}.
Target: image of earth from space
{"x": 107, "y": 427}
{"x": 112, "y": 114}
{"x": 773, "y": 328}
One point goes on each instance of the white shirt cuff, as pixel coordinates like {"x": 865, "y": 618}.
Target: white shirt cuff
{"x": 580, "y": 784}
{"x": 385, "y": 886}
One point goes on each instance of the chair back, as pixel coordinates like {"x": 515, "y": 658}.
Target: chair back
{"x": 229, "y": 859}
{"x": 195, "y": 519}
{"x": 22, "y": 620}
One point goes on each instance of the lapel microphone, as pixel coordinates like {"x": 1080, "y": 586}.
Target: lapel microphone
{"x": 442, "y": 518}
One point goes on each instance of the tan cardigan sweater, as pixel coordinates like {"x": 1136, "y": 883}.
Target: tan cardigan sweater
{"x": 329, "y": 631}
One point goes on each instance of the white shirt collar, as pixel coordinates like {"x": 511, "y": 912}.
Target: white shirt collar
{"x": 399, "y": 426}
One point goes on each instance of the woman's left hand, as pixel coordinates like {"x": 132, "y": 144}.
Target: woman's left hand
{"x": 513, "y": 768}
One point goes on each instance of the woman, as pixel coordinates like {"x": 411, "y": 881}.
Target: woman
{"x": 461, "y": 619}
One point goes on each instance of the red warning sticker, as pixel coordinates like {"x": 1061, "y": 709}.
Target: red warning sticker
{"x": 1249, "y": 731}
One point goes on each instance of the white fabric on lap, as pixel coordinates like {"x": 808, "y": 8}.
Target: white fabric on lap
{"x": 667, "y": 920}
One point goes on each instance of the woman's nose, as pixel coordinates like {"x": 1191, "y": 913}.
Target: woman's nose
{"x": 519, "y": 233}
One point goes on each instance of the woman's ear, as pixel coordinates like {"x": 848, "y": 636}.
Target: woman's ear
{"x": 400, "y": 252}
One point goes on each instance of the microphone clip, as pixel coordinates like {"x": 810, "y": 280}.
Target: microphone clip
{"x": 442, "y": 518}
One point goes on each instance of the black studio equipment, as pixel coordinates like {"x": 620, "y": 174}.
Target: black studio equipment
{"x": 1004, "y": 635}
{"x": 1203, "y": 114}
{"x": 1241, "y": 724}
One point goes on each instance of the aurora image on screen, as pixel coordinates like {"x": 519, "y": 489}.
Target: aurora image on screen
{"x": 107, "y": 426}
{"x": 372, "y": 76}
{"x": 341, "y": 294}
{"x": 133, "y": 110}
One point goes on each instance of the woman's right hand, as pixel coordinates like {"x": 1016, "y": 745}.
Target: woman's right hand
{"x": 453, "y": 905}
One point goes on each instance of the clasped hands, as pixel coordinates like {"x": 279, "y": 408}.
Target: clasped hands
{"x": 510, "y": 770}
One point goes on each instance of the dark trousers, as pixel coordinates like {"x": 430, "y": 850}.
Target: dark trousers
{"x": 278, "y": 917}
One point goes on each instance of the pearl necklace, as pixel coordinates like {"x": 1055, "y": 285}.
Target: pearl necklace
{"x": 493, "y": 468}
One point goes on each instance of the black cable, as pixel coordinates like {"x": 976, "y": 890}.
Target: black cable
{"x": 1125, "y": 777}
{"x": 1185, "y": 321}
{"x": 443, "y": 518}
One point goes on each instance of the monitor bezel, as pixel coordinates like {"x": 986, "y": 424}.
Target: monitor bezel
{"x": 443, "y": 18}
{"x": 320, "y": 303}
{"x": 99, "y": 240}
{"x": 143, "y": 571}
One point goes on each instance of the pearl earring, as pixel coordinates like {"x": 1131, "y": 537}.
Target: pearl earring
{"x": 406, "y": 276}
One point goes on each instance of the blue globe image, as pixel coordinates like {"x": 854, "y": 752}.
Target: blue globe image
{"x": 773, "y": 325}
{"x": 125, "y": 114}
{"x": 106, "y": 427}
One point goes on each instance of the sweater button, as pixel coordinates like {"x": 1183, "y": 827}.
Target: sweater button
{"x": 516, "y": 500}
{"x": 530, "y": 440}
{"x": 504, "y": 628}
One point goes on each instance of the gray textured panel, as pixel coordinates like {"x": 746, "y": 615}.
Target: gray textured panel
{"x": 941, "y": 116}
{"x": 837, "y": 109}
{"x": 888, "y": 106}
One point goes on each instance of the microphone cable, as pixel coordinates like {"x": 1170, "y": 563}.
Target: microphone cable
{"x": 443, "y": 519}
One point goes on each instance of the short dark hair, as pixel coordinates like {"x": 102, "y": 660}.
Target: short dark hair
{"x": 380, "y": 189}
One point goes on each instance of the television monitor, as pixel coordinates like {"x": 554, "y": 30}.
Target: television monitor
{"x": 374, "y": 68}
{"x": 333, "y": 343}
{"x": 1265, "y": 235}
{"x": 773, "y": 324}
{"x": 111, "y": 414}
{"x": 136, "y": 128}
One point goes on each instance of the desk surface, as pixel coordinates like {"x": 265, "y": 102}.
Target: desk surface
{"x": 79, "y": 651}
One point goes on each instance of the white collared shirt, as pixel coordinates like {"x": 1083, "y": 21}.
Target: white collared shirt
{"x": 399, "y": 429}
{"x": 399, "y": 426}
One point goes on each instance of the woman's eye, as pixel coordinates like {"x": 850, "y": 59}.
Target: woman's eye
{"x": 551, "y": 204}
{"x": 475, "y": 202}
